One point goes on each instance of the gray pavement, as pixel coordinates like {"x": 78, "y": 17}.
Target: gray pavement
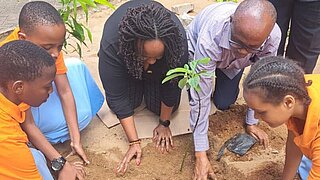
{"x": 9, "y": 13}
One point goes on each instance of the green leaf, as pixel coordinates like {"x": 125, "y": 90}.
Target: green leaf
{"x": 197, "y": 88}
{"x": 106, "y": 3}
{"x": 79, "y": 50}
{"x": 204, "y": 61}
{"x": 194, "y": 81}
{"x": 176, "y": 70}
{"x": 193, "y": 64}
{"x": 182, "y": 82}
{"x": 78, "y": 29}
{"x": 89, "y": 33}
{"x": 168, "y": 78}
{"x": 88, "y": 2}
{"x": 74, "y": 8}
{"x": 186, "y": 66}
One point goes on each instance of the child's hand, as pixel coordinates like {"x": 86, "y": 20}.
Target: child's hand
{"x": 258, "y": 134}
{"x": 70, "y": 172}
{"x": 77, "y": 149}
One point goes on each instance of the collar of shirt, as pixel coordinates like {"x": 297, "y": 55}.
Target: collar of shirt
{"x": 225, "y": 36}
{"x": 17, "y": 112}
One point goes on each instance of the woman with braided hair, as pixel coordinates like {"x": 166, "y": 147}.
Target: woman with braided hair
{"x": 279, "y": 92}
{"x": 141, "y": 41}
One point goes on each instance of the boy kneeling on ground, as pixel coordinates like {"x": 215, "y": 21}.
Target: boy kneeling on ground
{"x": 26, "y": 75}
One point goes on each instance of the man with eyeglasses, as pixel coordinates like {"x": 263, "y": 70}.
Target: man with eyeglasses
{"x": 233, "y": 36}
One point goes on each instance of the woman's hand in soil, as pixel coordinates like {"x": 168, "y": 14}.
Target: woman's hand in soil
{"x": 258, "y": 134}
{"x": 74, "y": 171}
{"x": 133, "y": 151}
{"x": 77, "y": 149}
{"x": 163, "y": 138}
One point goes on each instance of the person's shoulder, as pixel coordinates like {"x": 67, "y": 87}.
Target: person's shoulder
{"x": 12, "y": 36}
{"x": 276, "y": 31}
{"x": 222, "y": 9}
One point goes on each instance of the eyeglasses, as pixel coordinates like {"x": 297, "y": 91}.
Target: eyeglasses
{"x": 237, "y": 45}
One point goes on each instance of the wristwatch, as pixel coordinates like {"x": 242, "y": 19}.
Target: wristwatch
{"x": 57, "y": 164}
{"x": 165, "y": 123}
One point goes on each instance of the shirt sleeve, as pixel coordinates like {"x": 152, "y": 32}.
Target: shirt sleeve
{"x": 250, "y": 120}
{"x": 60, "y": 65}
{"x": 203, "y": 49}
{"x": 315, "y": 168}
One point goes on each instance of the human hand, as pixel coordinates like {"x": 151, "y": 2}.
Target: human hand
{"x": 258, "y": 134}
{"x": 163, "y": 138}
{"x": 74, "y": 171}
{"x": 77, "y": 149}
{"x": 203, "y": 169}
{"x": 133, "y": 151}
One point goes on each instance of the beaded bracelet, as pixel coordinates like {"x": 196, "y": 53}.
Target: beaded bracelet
{"x": 135, "y": 142}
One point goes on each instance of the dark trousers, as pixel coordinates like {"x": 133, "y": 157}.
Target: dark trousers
{"x": 226, "y": 90}
{"x": 150, "y": 90}
{"x": 304, "y": 33}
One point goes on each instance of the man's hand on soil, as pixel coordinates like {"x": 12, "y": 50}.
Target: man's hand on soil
{"x": 259, "y": 134}
{"x": 203, "y": 169}
{"x": 163, "y": 138}
{"x": 133, "y": 151}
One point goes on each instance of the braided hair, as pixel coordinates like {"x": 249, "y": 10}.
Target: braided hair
{"x": 22, "y": 60}
{"x": 277, "y": 77}
{"x": 148, "y": 22}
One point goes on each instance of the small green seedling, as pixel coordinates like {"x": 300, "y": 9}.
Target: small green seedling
{"x": 191, "y": 78}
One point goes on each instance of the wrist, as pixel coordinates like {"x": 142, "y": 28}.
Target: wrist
{"x": 57, "y": 164}
{"x": 135, "y": 142}
{"x": 165, "y": 123}
{"x": 201, "y": 154}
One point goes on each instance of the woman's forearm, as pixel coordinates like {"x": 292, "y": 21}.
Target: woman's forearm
{"x": 129, "y": 128}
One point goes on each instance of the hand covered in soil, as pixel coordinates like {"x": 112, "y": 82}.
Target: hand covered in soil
{"x": 133, "y": 151}
{"x": 77, "y": 149}
{"x": 163, "y": 138}
{"x": 74, "y": 171}
{"x": 203, "y": 169}
{"x": 258, "y": 134}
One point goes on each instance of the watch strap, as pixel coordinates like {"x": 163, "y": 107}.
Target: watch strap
{"x": 165, "y": 123}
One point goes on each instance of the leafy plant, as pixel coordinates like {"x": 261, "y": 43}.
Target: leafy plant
{"x": 76, "y": 29}
{"x": 191, "y": 78}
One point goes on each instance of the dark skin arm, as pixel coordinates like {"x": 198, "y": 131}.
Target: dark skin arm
{"x": 70, "y": 113}
{"x": 162, "y": 135}
{"x": 40, "y": 142}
